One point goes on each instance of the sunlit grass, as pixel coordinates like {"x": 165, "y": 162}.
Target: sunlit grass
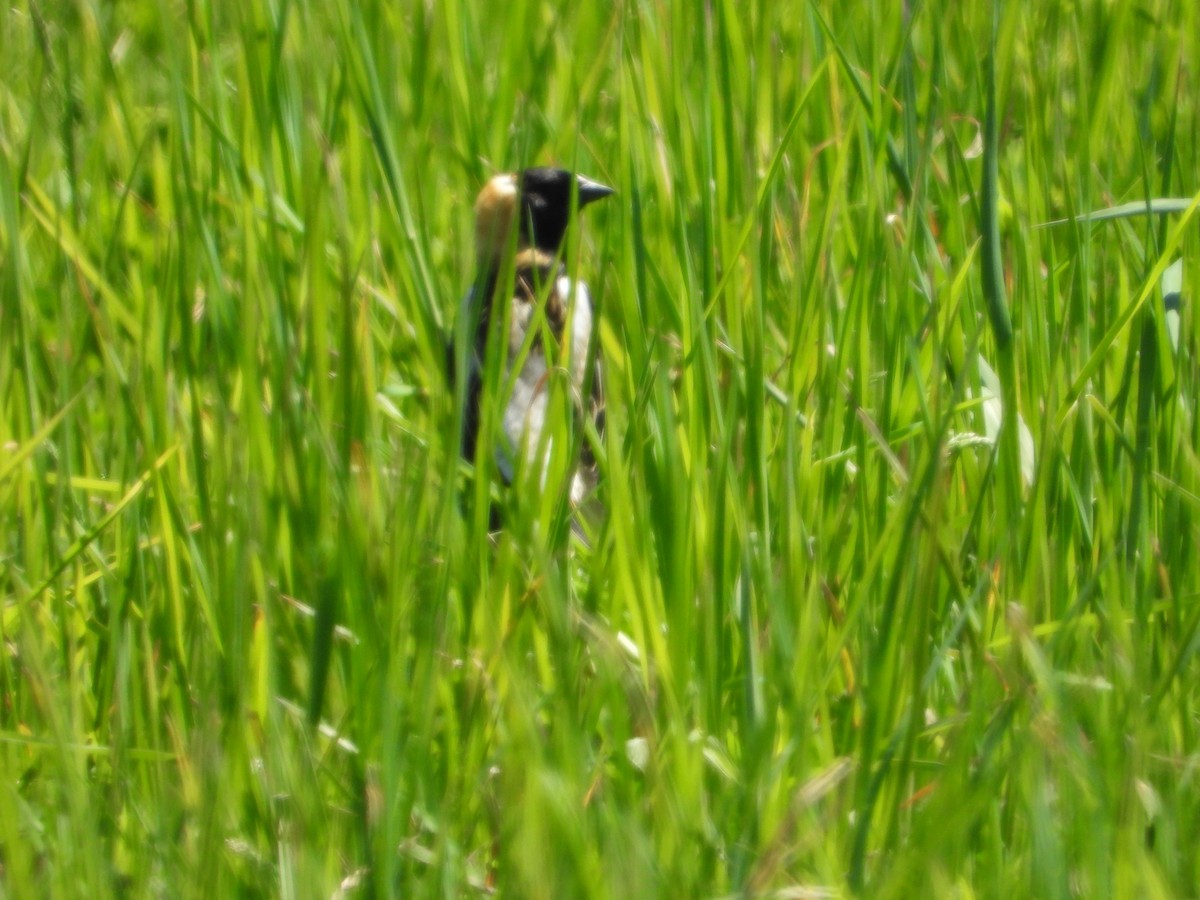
{"x": 842, "y": 627}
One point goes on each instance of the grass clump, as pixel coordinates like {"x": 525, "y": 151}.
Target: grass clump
{"x": 895, "y": 586}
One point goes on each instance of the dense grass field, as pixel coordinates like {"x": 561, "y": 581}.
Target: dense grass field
{"x": 892, "y": 583}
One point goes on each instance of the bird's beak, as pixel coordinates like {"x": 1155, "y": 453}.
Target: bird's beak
{"x": 591, "y": 191}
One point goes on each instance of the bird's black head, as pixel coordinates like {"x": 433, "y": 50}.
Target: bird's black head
{"x": 546, "y": 204}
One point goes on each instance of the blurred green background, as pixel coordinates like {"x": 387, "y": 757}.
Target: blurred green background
{"x": 895, "y": 589}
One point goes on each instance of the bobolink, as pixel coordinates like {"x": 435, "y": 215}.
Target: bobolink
{"x": 538, "y": 203}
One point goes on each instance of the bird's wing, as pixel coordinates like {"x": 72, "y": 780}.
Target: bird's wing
{"x": 464, "y": 353}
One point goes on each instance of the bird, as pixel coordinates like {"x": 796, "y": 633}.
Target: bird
{"x": 537, "y": 203}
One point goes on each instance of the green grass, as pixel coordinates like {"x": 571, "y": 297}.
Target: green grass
{"x": 828, "y": 636}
